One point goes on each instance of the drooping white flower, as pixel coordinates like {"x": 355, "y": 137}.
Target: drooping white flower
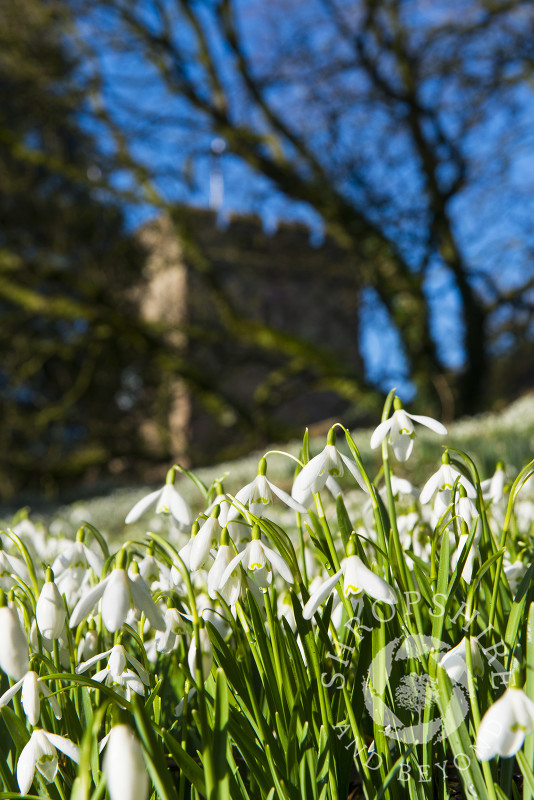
{"x": 119, "y": 593}
{"x": 167, "y": 501}
{"x": 315, "y": 474}
{"x": 201, "y": 544}
{"x": 401, "y": 431}
{"x": 124, "y": 765}
{"x": 514, "y": 573}
{"x": 230, "y": 590}
{"x": 40, "y": 752}
{"x": 14, "y": 659}
{"x": 255, "y": 556}
{"x": 357, "y": 579}
{"x": 454, "y": 661}
{"x": 443, "y": 482}
{"x": 505, "y": 725}
{"x": 50, "y": 611}
{"x": 33, "y": 689}
{"x": 493, "y": 488}
{"x": 167, "y": 640}
{"x": 258, "y": 495}
{"x": 115, "y": 674}
{"x": 206, "y": 654}
{"x": 72, "y": 570}
{"x": 11, "y": 568}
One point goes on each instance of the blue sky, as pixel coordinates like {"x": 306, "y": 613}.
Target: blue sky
{"x": 491, "y": 215}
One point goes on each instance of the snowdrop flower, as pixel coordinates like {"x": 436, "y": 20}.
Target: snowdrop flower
{"x": 443, "y": 481}
{"x": 72, "y": 570}
{"x": 14, "y": 659}
{"x": 77, "y": 555}
{"x": 167, "y": 640}
{"x": 206, "y": 654}
{"x": 33, "y": 689}
{"x": 167, "y": 501}
{"x": 255, "y": 556}
{"x": 119, "y": 593}
{"x": 493, "y": 488}
{"x": 514, "y": 573}
{"x": 124, "y": 765}
{"x": 231, "y": 588}
{"x": 50, "y": 611}
{"x": 474, "y": 554}
{"x": 115, "y": 674}
{"x": 454, "y": 661}
{"x": 40, "y": 753}
{"x": 357, "y": 579}
{"x": 258, "y": 494}
{"x": 154, "y": 573}
{"x": 505, "y": 725}
{"x": 201, "y": 543}
{"x": 314, "y": 475}
{"x": 11, "y": 568}
{"x": 401, "y": 431}
{"x": 88, "y": 646}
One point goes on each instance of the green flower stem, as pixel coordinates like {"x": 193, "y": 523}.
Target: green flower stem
{"x": 274, "y": 644}
{"x": 521, "y": 478}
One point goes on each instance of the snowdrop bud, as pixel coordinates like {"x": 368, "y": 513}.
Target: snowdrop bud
{"x": 13, "y": 642}
{"x": 124, "y": 765}
{"x": 50, "y": 611}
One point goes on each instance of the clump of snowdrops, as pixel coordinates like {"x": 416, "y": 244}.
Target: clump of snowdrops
{"x": 354, "y": 636}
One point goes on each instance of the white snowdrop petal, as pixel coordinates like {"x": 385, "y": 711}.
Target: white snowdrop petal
{"x": 429, "y": 422}
{"x": 65, "y": 745}
{"x": 141, "y": 506}
{"x": 402, "y": 447}
{"x": 380, "y": 433}
{"x": 13, "y": 644}
{"x": 143, "y": 600}
{"x": 11, "y": 692}
{"x": 26, "y": 767}
{"x": 320, "y": 595}
{"x": 287, "y": 499}
{"x": 124, "y": 765}
{"x": 278, "y": 563}
{"x": 30, "y": 697}
{"x": 87, "y": 602}
{"x": 355, "y": 472}
{"x": 115, "y": 600}
{"x": 230, "y": 568}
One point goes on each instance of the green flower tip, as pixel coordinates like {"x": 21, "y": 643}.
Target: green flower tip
{"x": 171, "y": 475}
{"x": 194, "y": 528}
{"x": 49, "y": 575}
{"x": 3, "y": 601}
{"x": 225, "y": 538}
{"x": 135, "y": 568}
{"x": 351, "y": 546}
{"x": 262, "y": 466}
{"x": 500, "y": 466}
{"x": 256, "y": 532}
{"x": 462, "y": 491}
{"x": 397, "y": 403}
{"x": 216, "y": 511}
{"x": 445, "y": 458}
{"x": 120, "y": 560}
{"x": 80, "y": 534}
{"x": 331, "y": 438}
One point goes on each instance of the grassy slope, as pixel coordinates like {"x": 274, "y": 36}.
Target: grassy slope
{"x": 508, "y": 436}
